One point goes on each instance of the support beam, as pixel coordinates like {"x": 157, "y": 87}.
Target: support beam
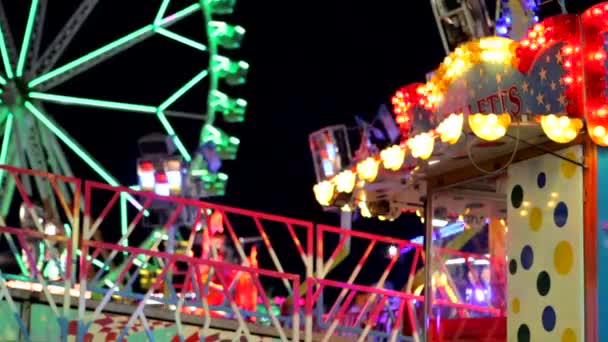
{"x": 63, "y": 39}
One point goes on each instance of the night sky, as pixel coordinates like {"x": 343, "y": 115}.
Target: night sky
{"x": 313, "y": 64}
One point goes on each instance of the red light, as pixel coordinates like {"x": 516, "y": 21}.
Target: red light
{"x": 146, "y": 166}
{"x": 161, "y": 177}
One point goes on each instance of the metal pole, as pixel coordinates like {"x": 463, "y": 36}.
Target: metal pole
{"x": 428, "y": 252}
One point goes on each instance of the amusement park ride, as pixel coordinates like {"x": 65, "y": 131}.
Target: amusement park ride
{"x": 500, "y": 153}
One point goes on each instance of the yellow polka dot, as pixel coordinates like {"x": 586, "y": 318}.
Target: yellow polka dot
{"x": 568, "y": 335}
{"x": 563, "y": 257}
{"x": 568, "y": 168}
{"x": 515, "y": 306}
{"x": 536, "y": 219}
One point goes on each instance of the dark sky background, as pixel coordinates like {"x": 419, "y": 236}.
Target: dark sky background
{"x": 313, "y": 64}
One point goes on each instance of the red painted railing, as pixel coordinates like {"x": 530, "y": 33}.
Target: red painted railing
{"x": 343, "y": 305}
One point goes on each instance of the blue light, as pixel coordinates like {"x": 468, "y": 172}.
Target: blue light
{"x": 502, "y": 30}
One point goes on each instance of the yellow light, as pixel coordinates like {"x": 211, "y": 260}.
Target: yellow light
{"x": 421, "y": 145}
{"x": 393, "y": 157}
{"x": 345, "y": 181}
{"x": 364, "y": 210}
{"x": 489, "y": 127}
{"x": 561, "y": 129}
{"x": 324, "y": 192}
{"x": 450, "y": 129}
{"x": 368, "y": 169}
{"x": 599, "y": 135}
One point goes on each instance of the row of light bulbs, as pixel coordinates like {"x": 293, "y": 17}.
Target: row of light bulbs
{"x": 489, "y": 127}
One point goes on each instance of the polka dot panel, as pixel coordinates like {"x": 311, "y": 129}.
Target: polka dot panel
{"x": 544, "y": 246}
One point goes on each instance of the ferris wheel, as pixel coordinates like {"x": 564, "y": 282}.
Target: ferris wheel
{"x": 30, "y": 73}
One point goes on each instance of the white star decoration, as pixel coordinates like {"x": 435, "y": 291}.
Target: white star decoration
{"x": 562, "y": 100}
{"x": 559, "y": 57}
{"x": 553, "y": 85}
{"x": 548, "y": 107}
{"x": 498, "y": 78}
{"x": 542, "y": 74}
{"x": 524, "y": 87}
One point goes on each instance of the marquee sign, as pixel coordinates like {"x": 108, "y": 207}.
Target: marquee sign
{"x": 558, "y": 70}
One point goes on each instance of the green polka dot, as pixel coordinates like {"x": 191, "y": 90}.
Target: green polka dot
{"x": 536, "y": 219}
{"x": 563, "y": 257}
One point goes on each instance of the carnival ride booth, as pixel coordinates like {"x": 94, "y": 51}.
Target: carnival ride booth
{"x": 505, "y": 141}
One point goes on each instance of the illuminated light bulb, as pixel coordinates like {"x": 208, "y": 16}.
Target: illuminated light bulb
{"x": 489, "y": 127}
{"x": 599, "y": 131}
{"x": 368, "y": 169}
{"x": 324, "y": 192}
{"x": 393, "y": 157}
{"x": 421, "y": 145}
{"x": 450, "y": 129}
{"x": 561, "y": 130}
{"x": 346, "y": 208}
{"x": 345, "y": 181}
{"x": 364, "y": 210}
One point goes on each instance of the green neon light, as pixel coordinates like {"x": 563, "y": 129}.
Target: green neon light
{"x": 161, "y": 11}
{"x": 68, "y": 229}
{"x": 6, "y": 140}
{"x": 95, "y": 262}
{"x": 4, "y": 54}
{"x": 80, "y": 101}
{"x": 181, "y": 39}
{"x": 113, "y": 45}
{"x": 124, "y": 224}
{"x": 213, "y": 77}
{"x": 27, "y": 38}
{"x": 171, "y": 132}
{"x": 2, "y": 81}
{"x": 180, "y": 14}
{"x": 181, "y": 91}
{"x": 71, "y": 143}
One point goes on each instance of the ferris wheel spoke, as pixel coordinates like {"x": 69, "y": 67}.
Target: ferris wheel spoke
{"x": 171, "y": 132}
{"x": 71, "y": 143}
{"x": 64, "y": 37}
{"x": 168, "y": 102}
{"x": 181, "y": 39}
{"x": 77, "y": 66}
{"x": 7, "y": 44}
{"x": 184, "y": 89}
{"x": 27, "y": 38}
{"x": 85, "y": 102}
{"x": 130, "y": 107}
{"x": 161, "y": 11}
